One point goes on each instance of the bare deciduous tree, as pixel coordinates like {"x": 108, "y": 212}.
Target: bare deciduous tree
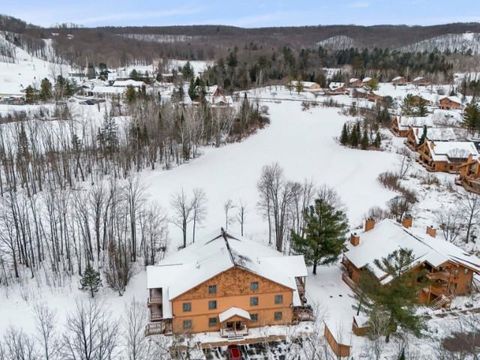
{"x": 91, "y": 333}
{"x": 45, "y": 320}
{"x": 199, "y": 209}
{"x": 227, "y": 207}
{"x": 182, "y": 207}
{"x": 241, "y": 215}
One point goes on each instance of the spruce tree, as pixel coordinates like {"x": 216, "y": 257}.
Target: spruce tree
{"x": 30, "y": 95}
{"x": 344, "y": 137}
{"x": 471, "y": 117}
{"x": 324, "y": 234}
{"x": 365, "y": 141}
{"x": 422, "y": 108}
{"x": 424, "y": 135}
{"x": 91, "y": 280}
{"x": 45, "y": 90}
{"x": 354, "y": 135}
{"x": 378, "y": 140}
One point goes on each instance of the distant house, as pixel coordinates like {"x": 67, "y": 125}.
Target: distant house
{"x": 417, "y": 100}
{"x": 469, "y": 175}
{"x": 420, "y": 81}
{"x": 226, "y": 286}
{"x": 445, "y": 156}
{"x": 355, "y": 83}
{"x": 450, "y": 103}
{"x": 337, "y": 88}
{"x": 129, "y": 82}
{"x": 401, "y": 124}
{"x": 399, "y": 81}
{"x": 415, "y": 134}
{"x": 366, "y": 80}
{"x": 359, "y": 93}
{"x": 373, "y": 97}
{"x": 215, "y": 96}
{"x": 306, "y": 85}
{"x": 449, "y": 267}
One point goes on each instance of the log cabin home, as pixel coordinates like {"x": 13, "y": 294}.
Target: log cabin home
{"x": 337, "y": 88}
{"x": 226, "y": 285}
{"x": 449, "y": 268}
{"x": 216, "y": 96}
{"x": 414, "y": 135}
{"x": 399, "y": 81}
{"x": 445, "y": 156}
{"x": 420, "y": 81}
{"x": 469, "y": 175}
{"x": 450, "y": 103}
{"x": 355, "y": 83}
{"x": 401, "y": 124}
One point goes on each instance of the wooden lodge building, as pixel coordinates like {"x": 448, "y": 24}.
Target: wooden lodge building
{"x": 445, "y": 156}
{"x": 469, "y": 175}
{"x": 450, "y": 103}
{"x": 449, "y": 268}
{"x": 401, "y": 124}
{"x": 226, "y": 286}
{"x": 414, "y": 135}
{"x": 399, "y": 81}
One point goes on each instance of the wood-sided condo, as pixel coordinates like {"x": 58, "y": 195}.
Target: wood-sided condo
{"x": 226, "y": 285}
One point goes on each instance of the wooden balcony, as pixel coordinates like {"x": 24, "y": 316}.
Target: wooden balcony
{"x": 163, "y": 327}
{"x": 439, "y": 275}
{"x": 155, "y": 300}
{"x": 234, "y": 333}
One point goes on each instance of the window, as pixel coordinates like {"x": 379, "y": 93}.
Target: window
{"x": 278, "y": 315}
{"x": 253, "y": 301}
{"x": 254, "y": 285}
{"x": 212, "y": 304}
{"x": 187, "y": 324}
{"x": 212, "y": 322}
{"x": 187, "y": 307}
{"x": 278, "y": 299}
{"x": 212, "y": 289}
{"x": 254, "y": 317}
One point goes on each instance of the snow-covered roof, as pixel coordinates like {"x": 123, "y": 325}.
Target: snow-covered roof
{"x": 397, "y": 78}
{"x": 129, "y": 82}
{"x": 435, "y": 134}
{"x": 388, "y": 236}
{"x": 419, "y": 78}
{"x": 445, "y": 150}
{"x": 406, "y": 122}
{"x": 352, "y": 80}
{"x": 455, "y": 99}
{"x": 366, "y": 79}
{"x": 334, "y": 85}
{"x": 203, "y": 260}
{"x": 233, "y": 311}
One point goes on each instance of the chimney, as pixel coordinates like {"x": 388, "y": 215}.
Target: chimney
{"x": 355, "y": 239}
{"x": 369, "y": 224}
{"x": 407, "y": 221}
{"x": 431, "y": 231}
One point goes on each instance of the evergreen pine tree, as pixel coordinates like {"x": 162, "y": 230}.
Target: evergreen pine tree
{"x": 45, "y": 90}
{"x": 422, "y": 108}
{"x": 30, "y": 95}
{"x": 378, "y": 140}
{"x": 344, "y": 136}
{"x": 192, "y": 92}
{"x": 365, "y": 140}
{"x": 324, "y": 234}
{"x": 354, "y": 137}
{"x": 130, "y": 94}
{"x": 471, "y": 117}
{"x": 424, "y": 135}
{"x": 91, "y": 280}
{"x": 394, "y": 301}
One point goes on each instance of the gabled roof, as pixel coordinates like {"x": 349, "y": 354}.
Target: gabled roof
{"x": 205, "y": 259}
{"x": 434, "y": 134}
{"x": 405, "y": 122}
{"x": 233, "y": 311}
{"x": 397, "y": 78}
{"x": 388, "y": 236}
{"x": 454, "y": 99}
{"x": 445, "y": 150}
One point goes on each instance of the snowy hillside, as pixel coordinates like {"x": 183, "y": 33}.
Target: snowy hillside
{"x": 339, "y": 42}
{"x": 450, "y": 42}
{"x": 23, "y": 69}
